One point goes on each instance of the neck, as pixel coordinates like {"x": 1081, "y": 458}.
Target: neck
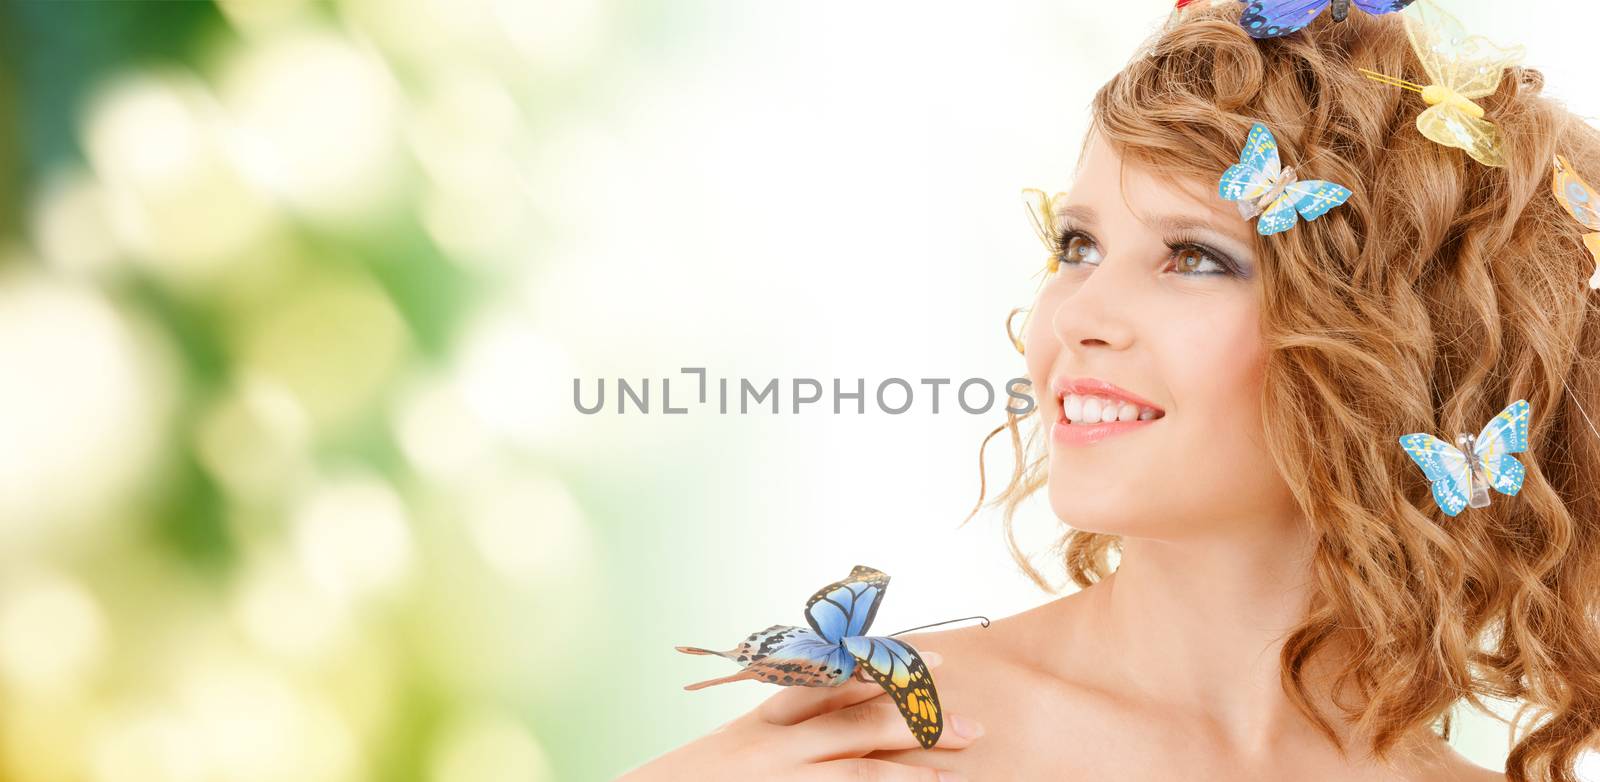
{"x": 1193, "y": 628}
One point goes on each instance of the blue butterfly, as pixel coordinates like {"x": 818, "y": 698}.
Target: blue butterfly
{"x": 1262, "y": 186}
{"x": 835, "y": 648}
{"x": 1272, "y": 18}
{"x": 1460, "y": 481}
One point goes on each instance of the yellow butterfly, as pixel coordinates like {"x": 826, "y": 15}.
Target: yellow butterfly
{"x": 1041, "y": 212}
{"x": 1040, "y": 207}
{"x": 1461, "y": 67}
{"x": 1581, "y": 202}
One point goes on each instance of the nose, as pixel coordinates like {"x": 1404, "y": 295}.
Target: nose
{"x": 1098, "y": 312}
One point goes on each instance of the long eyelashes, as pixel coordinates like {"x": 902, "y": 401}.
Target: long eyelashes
{"x": 1064, "y": 247}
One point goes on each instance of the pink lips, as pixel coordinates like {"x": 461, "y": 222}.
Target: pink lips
{"x": 1064, "y": 385}
{"x": 1088, "y": 434}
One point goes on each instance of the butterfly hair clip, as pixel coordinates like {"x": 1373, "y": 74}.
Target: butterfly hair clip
{"x": 1463, "y": 473}
{"x": 1274, "y": 18}
{"x": 836, "y": 648}
{"x": 1261, "y": 185}
{"x": 1460, "y": 67}
{"x": 1581, "y": 202}
{"x": 1041, "y": 210}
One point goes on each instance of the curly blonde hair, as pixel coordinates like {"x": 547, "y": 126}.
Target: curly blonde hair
{"x": 1441, "y": 291}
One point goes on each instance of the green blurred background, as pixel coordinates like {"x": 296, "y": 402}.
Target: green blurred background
{"x": 293, "y": 293}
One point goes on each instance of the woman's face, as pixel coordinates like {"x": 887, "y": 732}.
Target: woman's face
{"x": 1154, "y": 313}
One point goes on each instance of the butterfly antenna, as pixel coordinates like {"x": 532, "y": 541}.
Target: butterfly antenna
{"x": 984, "y": 619}
{"x": 1390, "y": 80}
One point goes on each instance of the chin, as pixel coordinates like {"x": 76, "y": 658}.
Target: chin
{"x": 1115, "y": 512}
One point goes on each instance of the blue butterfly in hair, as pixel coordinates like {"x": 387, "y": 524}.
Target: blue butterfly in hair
{"x": 1273, "y": 18}
{"x": 1261, "y": 185}
{"x": 1463, "y": 473}
{"x": 835, "y": 648}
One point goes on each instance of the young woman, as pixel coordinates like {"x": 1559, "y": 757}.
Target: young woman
{"x": 1288, "y": 602}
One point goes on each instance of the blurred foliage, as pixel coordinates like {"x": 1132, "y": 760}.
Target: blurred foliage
{"x": 266, "y": 511}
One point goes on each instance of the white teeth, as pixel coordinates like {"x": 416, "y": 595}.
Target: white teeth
{"x": 1073, "y": 407}
{"x": 1080, "y": 409}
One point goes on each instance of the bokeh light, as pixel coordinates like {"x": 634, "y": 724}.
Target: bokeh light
{"x": 91, "y": 393}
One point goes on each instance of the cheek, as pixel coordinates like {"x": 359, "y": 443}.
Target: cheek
{"x": 1217, "y": 374}
{"x": 1216, "y": 387}
{"x": 1220, "y": 378}
{"x": 1039, "y": 352}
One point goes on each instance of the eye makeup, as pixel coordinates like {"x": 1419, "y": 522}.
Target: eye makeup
{"x": 1069, "y": 237}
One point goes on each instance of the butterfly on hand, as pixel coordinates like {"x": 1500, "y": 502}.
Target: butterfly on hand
{"x": 1581, "y": 202}
{"x": 1460, "y": 67}
{"x": 835, "y": 648}
{"x": 1261, "y": 185}
{"x": 1463, "y": 473}
{"x": 1273, "y": 18}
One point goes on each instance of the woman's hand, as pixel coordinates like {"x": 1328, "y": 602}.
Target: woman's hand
{"x": 812, "y": 734}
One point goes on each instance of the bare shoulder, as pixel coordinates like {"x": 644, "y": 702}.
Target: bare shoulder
{"x": 991, "y": 675}
{"x": 1429, "y": 758}
{"x": 1463, "y": 771}
{"x": 1476, "y": 773}
{"x": 1005, "y": 648}
{"x": 1452, "y": 766}
{"x": 1009, "y": 637}
{"x": 998, "y": 676}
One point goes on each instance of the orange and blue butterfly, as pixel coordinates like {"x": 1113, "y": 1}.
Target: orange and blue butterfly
{"x": 1580, "y": 201}
{"x": 1462, "y": 474}
{"x": 1260, "y": 185}
{"x": 835, "y": 648}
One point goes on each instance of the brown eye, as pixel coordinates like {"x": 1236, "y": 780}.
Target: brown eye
{"x": 1193, "y": 260}
{"x": 1079, "y": 249}
{"x": 1075, "y": 248}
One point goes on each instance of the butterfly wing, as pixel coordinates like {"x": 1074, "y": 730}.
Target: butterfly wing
{"x": 1575, "y": 195}
{"x": 1278, "y": 217}
{"x": 1273, "y": 18}
{"x": 1040, "y": 207}
{"x": 1445, "y": 465}
{"x": 783, "y": 654}
{"x": 1449, "y": 125}
{"x": 1257, "y": 170}
{"x": 845, "y": 608}
{"x": 896, "y": 667}
{"x": 1470, "y": 65}
{"x": 1376, "y": 7}
{"x": 1037, "y": 204}
{"x": 1312, "y": 198}
{"x": 1505, "y": 434}
{"x": 1592, "y": 241}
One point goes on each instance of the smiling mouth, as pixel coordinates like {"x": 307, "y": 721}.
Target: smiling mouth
{"x": 1092, "y": 409}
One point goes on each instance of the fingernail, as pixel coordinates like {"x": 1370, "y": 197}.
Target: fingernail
{"x": 951, "y": 776}
{"x": 966, "y": 727}
{"x": 932, "y": 659}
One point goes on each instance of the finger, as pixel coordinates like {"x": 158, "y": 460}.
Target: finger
{"x": 797, "y": 704}
{"x": 865, "y": 770}
{"x": 874, "y": 725}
